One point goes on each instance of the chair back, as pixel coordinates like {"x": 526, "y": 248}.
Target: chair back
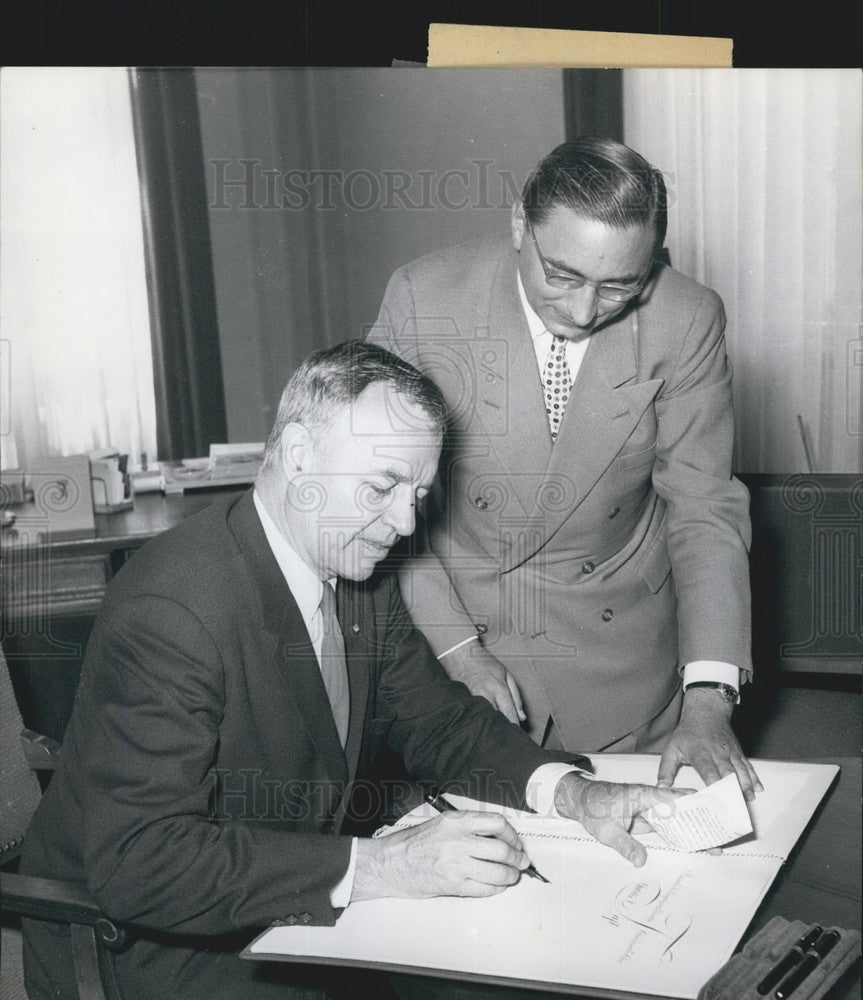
{"x": 19, "y": 786}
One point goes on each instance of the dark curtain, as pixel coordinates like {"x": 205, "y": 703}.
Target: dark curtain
{"x": 593, "y": 103}
{"x": 187, "y": 369}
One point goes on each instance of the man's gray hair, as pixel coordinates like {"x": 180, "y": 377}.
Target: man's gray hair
{"x": 331, "y": 379}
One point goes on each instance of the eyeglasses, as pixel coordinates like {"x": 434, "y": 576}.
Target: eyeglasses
{"x": 569, "y": 282}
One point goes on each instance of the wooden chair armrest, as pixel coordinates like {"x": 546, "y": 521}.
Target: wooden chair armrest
{"x": 58, "y": 901}
{"x": 41, "y": 752}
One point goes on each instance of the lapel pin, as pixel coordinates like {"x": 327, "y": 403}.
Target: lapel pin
{"x": 355, "y": 628}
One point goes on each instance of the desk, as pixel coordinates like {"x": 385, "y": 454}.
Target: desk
{"x": 41, "y": 576}
{"x": 50, "y": 592}
{"x": 820, "y": 883}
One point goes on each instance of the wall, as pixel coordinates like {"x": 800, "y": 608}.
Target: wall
{"x": 416, "y": 160}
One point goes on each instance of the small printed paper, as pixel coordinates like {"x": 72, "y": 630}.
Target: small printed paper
{"x": 714, "y": 816}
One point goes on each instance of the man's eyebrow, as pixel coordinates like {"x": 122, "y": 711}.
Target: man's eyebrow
{"x": 396, "y": 477}
{"x": 559, "y": 265}
{"x": 400, "y": 477}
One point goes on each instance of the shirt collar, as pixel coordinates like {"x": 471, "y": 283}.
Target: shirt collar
{"x": 302, "y": 581}
{"x": 534, "y": 323}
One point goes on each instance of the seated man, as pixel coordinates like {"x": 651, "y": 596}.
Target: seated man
{"x": 224, "y": 713}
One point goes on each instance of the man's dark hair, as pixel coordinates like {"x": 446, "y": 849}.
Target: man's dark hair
{"x": 599, "y": 179}
{"x": 331, "y": 379}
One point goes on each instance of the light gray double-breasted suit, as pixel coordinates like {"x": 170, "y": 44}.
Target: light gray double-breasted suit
{"x": 597, "y": 566}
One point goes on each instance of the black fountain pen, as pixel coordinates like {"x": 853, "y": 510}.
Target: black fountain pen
{"x": 439, "y": 803}
{"x": 819, "y": 951}
{"x": 788, "y": 961}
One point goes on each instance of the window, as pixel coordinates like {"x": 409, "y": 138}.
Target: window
{"x": 73, "y": 295}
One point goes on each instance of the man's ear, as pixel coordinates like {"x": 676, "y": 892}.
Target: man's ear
{"x": 296, "y": 450}
{"x": 517, "y": 224}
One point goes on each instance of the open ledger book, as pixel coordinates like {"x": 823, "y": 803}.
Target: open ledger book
{"x": 599, "y": 923}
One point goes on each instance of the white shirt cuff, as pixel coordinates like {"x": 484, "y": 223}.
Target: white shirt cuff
{"x": 340, "y": 896}
{"x": 711, "y": 670}
{"x": 458, "y": 645}
{"x": 543, "y": 783}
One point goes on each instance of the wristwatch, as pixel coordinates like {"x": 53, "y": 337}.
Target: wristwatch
{"x": 725, "y": 691}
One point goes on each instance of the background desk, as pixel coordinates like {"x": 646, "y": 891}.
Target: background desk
{"x": 50, "y": 592}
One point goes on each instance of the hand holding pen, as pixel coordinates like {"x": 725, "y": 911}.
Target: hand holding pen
{"x": 439, "y": 803}
{"x": 463, "y": 853}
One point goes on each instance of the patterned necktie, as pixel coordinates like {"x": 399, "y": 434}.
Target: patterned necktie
{"x": 556, "y": 384}
{"x": 333, "y": 666}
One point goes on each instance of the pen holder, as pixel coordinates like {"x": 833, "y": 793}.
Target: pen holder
{"x": 738, "y": 978}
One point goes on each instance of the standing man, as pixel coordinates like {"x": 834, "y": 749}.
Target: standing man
{"x": 586, "y": 523}
{"x": 243, "y": 673}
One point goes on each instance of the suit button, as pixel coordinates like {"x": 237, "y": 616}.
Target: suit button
{"x": 587, "y": 567}
{"x": 305, "y": 917}
{"x": 481, "y": 503}
{"x": 291, "y": 920}
{"x": 481, "y": 629}
{"x": 614, "y": 512}
{"x": 607, "y": 615}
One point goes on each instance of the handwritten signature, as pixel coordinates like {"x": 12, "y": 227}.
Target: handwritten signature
{"x": 642, "y": 903}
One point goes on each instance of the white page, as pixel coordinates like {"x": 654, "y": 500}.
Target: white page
{"x": 599, "y": 922}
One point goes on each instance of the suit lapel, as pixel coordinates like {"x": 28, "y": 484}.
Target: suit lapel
{"x": 300, "y": 673}
{"x": 291, "y": 673}
{"x": 511, "y": 408}
{"x": 604, "y": 408}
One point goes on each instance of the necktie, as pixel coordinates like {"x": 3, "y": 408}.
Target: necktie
{"x": 333, "y": 666}
{"x": 556, "y": 384}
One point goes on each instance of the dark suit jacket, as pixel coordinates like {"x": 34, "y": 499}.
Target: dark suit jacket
{"x": 599, "y": 565}
{"x": 202, "y": 785}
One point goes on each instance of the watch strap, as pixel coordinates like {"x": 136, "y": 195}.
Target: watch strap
{"x": 726, "y": 691}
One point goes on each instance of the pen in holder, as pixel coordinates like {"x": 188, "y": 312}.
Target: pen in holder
{"x": 750, "y": 974}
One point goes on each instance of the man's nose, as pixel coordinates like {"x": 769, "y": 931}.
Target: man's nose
{"x": 401, "y": 515}
{"x": 582, "y": 305}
